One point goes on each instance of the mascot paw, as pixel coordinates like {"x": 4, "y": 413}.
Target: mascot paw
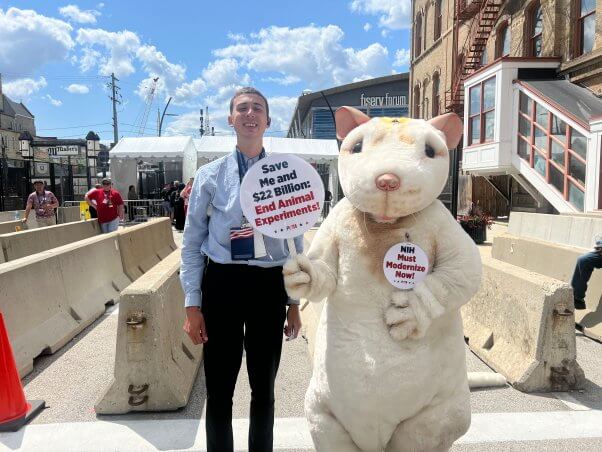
{"x": 404, "y": 317}
{"x": 298, "y": 272}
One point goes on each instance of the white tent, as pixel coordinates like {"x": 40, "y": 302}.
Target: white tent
{"x": 194, "y": 153}
{"x": 129, "y": 151}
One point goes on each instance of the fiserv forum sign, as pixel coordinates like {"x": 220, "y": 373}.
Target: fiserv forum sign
{"x": 383, "y": 101}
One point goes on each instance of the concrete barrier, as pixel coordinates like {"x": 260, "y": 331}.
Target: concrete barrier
{"x": 67, "y": 214}
{"x": 9, "y": 215}
{"x": 555, "y": 261}
{"x": 49, "y": 297}
{"x": 571, "y": 230}
{"x": 522, "y": 325}
{"x": 155, "y": 361}
{"x": 144, "y": 245}
{"x": 11, "y": 226}
{"x": 20, "y": 244}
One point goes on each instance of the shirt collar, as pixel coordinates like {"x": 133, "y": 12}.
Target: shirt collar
{"x": 249, "y": 161}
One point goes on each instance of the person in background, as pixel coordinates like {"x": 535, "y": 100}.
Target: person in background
{"x": 132, "y": 196}
{"x": 43, "y": 202}
{"x": 186, "y": 194}
{"x": 583, "y": 271}
{"x": 93, "y": 213}
{"x": 234, "y": 301}
{"x": 166, "y": 204}
{"x": 179, "y": 212}
{"x": 108, "y": 204}
{"x": 175, "y": 192}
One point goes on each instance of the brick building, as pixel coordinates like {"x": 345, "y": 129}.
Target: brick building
{"x": 526, "y": 77}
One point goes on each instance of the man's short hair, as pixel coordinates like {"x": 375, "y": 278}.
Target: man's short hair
{"x": 249, "y": 90}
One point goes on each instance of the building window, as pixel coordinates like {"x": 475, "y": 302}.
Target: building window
{"x": 417, "y": 102}
{"x": 484, "y": 57}
{"x": 438, "y": 19}
{"x": 534, "y": 31}
{"x": 586, "y": 26}
{"x": 418, "y": 35}
{"x": 435, "y": 94}
{"x": 502, "y": 41}
{"x": 481, "y": 121}
{"x": 554, "y": 149}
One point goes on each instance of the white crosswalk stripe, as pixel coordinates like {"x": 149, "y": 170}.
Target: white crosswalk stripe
{"x": 289, "y": 433}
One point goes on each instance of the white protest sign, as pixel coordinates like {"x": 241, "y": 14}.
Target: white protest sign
{"x": 405, "y": 265}
{"x": 282, "y": 196}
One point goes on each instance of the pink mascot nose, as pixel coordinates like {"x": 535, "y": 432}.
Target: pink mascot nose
{"x": 388, "y": 182}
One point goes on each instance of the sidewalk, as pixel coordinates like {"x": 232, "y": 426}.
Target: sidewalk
{"x": 71, "y": 380}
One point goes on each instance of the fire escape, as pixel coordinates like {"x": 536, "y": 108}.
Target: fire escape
{"x": 480, "y": 16}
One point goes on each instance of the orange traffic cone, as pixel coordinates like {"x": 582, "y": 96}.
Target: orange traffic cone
{"x": 15, "y": 411}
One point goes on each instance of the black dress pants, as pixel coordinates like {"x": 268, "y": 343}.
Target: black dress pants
{"x": 243, "y": 306}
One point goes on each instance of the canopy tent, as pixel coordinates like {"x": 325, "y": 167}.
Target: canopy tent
{"x": 129, "y": 153}
{"x": 190, "y": 154}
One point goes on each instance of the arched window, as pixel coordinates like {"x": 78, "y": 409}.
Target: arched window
{"x": 416, "y": 102}
{"x": 502, "y": 40}
{"x": 586, "y": 26}
{"x": 534, "y": 30}
{"x": 425, "y": 27}
{"x": 435, "y": 94}
{"x": 418, "y": 36}
{"x": 438, "y": 19}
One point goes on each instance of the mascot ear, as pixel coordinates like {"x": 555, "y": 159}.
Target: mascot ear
{"x": 451, "y": 126}
{"x": 347, "y": 119}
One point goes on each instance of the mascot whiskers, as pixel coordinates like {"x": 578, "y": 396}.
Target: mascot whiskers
{"x": 389, "y": 366}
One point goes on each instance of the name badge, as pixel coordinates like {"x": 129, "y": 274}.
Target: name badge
{"x": 242, "y": 243}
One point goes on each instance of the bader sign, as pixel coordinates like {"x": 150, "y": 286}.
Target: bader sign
{"x": 282, "y": 196}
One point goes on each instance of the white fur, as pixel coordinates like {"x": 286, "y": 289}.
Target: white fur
{"x": 389, "y": 366}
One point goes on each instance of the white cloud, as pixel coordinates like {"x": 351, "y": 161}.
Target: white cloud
{"x": 185, "y": 124}
{"x": 393, "y": 14}
{"x": 29, "y": 40}
{"x": 187, "y": 92}
{"x": 384, "y": 32}
{"x": 121, "y": 46}
{"x": 155, "y": 64}
{"x": 281, "y": 110}
{"x": 21, "y": 89}
{"x": 53, "y": 102}
{"x": 312, "y": 54}
{"x": 76, "y": 88}
{"x": 367, "y": 26}
{"x": 77, "y": 15}
{"x": 223, "y": 72}
{"x": 402, "y": 58}
{"x": 100, "y": 5}
{"x": 285, "y": 81}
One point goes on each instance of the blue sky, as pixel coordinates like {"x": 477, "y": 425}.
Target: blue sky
{"x": 55, "y": 56}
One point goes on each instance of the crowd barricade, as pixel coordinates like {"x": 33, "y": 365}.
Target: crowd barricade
{"x": 49, "y": 297}
{"x": 144, "y": 245}
{"x": 555, "y": 261}
{"x": 155, "y": 361}
{"x": 11, "y": 226}
{"x": 11, "y": 215}
{"x": 68, "y": 214}
{"x": 522, "y": 325}
{"x": 24, "y": 243}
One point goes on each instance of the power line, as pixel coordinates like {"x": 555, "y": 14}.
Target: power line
{"x": 77, "y": 127}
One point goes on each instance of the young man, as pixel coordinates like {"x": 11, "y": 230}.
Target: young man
{"x": 109, "y": 206}
{"x": 43, "y": 203}
{"x": 233, "y": 303}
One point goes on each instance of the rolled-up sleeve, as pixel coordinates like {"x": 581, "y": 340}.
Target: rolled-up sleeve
{"x": 196, "y": 231}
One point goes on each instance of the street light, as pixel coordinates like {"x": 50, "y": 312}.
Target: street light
{"x": 163, "y": 116}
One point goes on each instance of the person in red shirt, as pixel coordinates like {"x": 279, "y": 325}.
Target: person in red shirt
{"x": 108, "y": 204}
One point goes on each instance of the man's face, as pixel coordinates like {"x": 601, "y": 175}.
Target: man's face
{"x": 106, "y": 186}
{"x": 39, "y": 187}
{"x": 249, "y": 116}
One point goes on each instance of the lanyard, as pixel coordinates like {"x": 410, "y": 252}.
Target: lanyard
{"x": 43, "y": 198}
{"x": 242, "y": 163}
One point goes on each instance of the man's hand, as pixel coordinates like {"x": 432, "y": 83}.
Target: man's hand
{"x": 293, "y": 322}
{"x": 195, "y": 325}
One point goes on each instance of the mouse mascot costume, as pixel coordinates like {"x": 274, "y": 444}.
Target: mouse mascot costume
{"x": 389, "y": 366}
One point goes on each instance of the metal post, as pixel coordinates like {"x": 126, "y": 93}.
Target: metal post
{"x": 115, "y": 89}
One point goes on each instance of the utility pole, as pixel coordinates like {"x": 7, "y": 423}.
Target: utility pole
{"x": 202, "y": 128}
{"x": 115, "y": 91}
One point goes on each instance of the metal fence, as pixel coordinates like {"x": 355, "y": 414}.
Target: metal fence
{"x": 136, "y": 210}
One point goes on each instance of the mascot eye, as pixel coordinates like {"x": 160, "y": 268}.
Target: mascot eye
{"x": 429, "y": 151}
{"x": 357, "y": 147}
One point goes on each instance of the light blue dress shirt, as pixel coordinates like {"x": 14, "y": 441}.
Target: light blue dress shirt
{"x": 213, "y": 208}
